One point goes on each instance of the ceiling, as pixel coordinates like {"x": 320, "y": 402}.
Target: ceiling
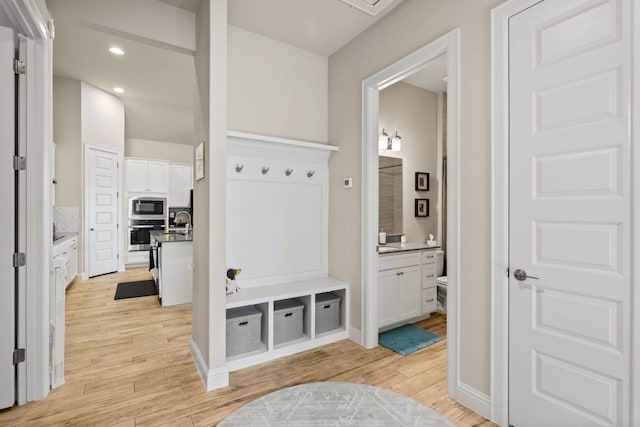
{"x": 320, "y": 26}
{"x": 159, "y": 82}
{"x": 431, "y": 76}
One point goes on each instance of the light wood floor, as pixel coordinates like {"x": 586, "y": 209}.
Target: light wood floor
{"x": 128, "y": 364}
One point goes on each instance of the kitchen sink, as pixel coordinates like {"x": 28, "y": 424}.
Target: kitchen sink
{"x": 178, "y": 231}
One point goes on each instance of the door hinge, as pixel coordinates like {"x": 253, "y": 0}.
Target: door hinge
{"x": 19, "y": 163}
{"x": 506, "y": 272}
{"x": 19, "y": 66}
{"x": 19, "y": 259}
{"x": 19, "y": 355}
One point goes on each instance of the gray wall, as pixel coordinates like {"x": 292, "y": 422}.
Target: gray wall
{"x": 412, "y": 112}
{"x": 210, "y": 126}
{"x": 275, "y": 88}
{"x": 178, "y": 153}
{"x": 410, "y": 26}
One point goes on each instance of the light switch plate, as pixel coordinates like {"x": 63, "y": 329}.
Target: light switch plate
{"x": 348, "y": 182}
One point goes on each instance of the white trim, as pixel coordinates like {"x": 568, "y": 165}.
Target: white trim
{"x": 278, "y": 140}
{"x": 87, "y": 147}
{"x": 216, "y": 378}
{"x": 28, "y": 19}
{"x": 29, "y": 22}
{"x": 474, "y": 399}
{"x": 500, "y": 205}
{"x": 355, "y": 335}
{"x": 450, "y": 44}
{"x": 635, "y": 212}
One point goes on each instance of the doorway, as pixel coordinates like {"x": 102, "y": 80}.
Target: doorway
{"x": 447, "y": 44}
{"x": 8, "y": 294}
{"x": 102, "y": 177}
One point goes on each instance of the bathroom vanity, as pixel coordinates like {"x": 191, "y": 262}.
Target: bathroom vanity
{"x": 406, "y": 282}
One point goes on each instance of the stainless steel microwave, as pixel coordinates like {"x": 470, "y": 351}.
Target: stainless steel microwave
{"x": 147, "y": 208}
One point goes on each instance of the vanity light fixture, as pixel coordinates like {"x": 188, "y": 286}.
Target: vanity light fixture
{"x": 116, "y": 50}
{"x": 396, "y": 142}
{"x": 383, "y": 141}
{"x": 118, "y": 90}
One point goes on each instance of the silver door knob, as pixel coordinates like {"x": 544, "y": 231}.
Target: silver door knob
{"x": 521, "y": 275}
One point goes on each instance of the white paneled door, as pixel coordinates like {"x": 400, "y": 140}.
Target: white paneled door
{"x": 7, "y": 218}
{"x": 570, "y": 214}
{"x": 103, "y": 211}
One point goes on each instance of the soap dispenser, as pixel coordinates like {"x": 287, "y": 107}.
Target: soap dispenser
{"x": 382, "y": 237}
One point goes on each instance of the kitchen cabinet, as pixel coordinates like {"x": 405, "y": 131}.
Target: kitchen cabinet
{"x": 400, "y": 287}
{"x": 64, "y": 269}
{"x": 180, "y": 184}
{"x": 147, "y": 176}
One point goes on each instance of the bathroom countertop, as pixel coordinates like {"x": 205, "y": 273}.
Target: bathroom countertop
{"x": 403, "y": 247}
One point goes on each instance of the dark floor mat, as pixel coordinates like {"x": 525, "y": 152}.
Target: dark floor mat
{"x": 141, "y": 288}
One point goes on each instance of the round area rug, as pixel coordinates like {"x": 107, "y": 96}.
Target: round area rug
{"x": 334, "y": 404}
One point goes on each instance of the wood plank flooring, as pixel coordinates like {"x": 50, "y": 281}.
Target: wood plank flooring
{"x": 127, "y": 364}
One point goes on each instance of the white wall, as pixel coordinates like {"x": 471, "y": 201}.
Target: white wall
{"x": 275, "y": 88}
{"x": 408, "y": 27}
{"x": 102, "y": 118}
{"x": 411, "y": 111}
{"x": 177, "y": 153}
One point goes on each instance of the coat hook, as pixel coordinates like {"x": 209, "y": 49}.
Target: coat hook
{"x": 265, "y": 169}
{"x": 239, "y": 168}
{"x": 288, "y": 172}
{"x": 310, "y": 173}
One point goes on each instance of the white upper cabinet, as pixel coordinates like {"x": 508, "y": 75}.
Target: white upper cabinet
{"x": 147, "y": 176}
{"x": 180, "y": 184}
{"x": 158, "y": 176}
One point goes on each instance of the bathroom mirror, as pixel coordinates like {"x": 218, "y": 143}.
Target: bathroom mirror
{"x": 390, "y": 194}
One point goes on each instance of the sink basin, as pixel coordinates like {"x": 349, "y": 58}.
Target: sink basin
{"x": 383, "y": 249}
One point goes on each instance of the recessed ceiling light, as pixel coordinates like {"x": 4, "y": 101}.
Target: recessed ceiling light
{"x": 118, "y": 90}
{"x": 116, "y": 50}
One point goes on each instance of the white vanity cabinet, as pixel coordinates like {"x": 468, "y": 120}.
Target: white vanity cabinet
{"x": 407, "y": 287}
{"x": 400, "y": 287}
{"x": 429, "y": 284}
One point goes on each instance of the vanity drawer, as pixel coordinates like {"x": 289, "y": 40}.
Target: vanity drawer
{"x": 388, "y": 262}
{"x": 429, "y": 257}
{"x": 428, "y": 275}
{"x": 429, "y": 300}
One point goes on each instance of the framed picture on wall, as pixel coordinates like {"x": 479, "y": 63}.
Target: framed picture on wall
{"x": 422, "y": 181}
{"x": 422, "y": 208}
{"x": 199, "y": 161}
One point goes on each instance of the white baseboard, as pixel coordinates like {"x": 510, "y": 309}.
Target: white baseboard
{"x": 212, "y": 379}
{"x": 355, "y": 335}
{"x": 474, "y": 400}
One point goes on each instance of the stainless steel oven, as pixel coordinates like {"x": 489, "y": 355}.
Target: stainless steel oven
{"x": 147, "y": 208}
{"x": 139, "y": 232}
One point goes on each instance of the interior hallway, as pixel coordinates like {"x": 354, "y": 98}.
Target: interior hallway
{"x": 127, "y": 363}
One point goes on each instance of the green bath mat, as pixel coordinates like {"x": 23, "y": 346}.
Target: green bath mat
{"x": 407, "y": 339}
